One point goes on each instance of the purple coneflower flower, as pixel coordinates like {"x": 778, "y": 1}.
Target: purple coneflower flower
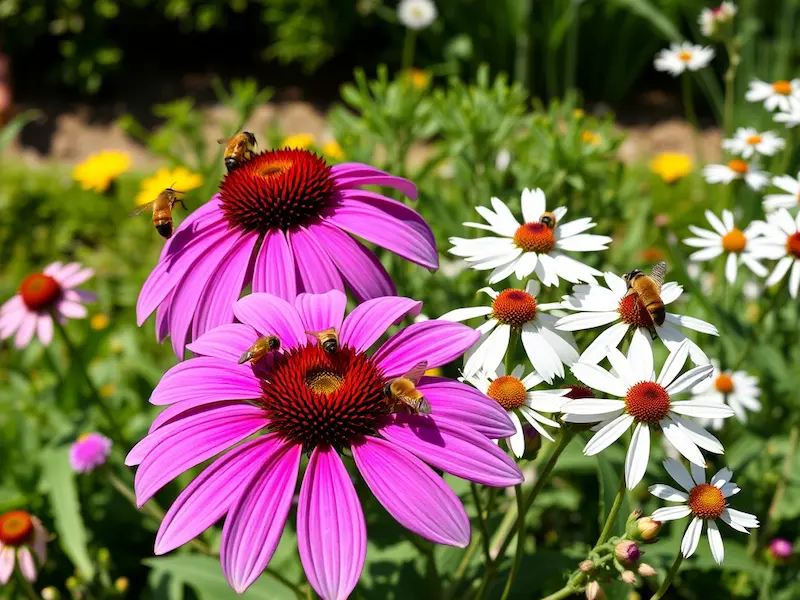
{"x": 281, "y": 222}
{"x": 89, "y": 452}
{"x": 19, "y": 534}
{"x": 40, "y": 296}
{"x": 321, "y": 402}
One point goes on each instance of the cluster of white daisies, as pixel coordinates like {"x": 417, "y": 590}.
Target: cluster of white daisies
{"x": 634, "y": 393}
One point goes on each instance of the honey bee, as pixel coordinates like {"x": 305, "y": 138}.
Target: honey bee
{"x": 402, "y": 392}
{"x": 648, "y": 292}
{"x": 238, "y": 149}
{"x": 328, "y": 339}
{"x": 162, "y": 210}
{"x": 260, "y": 349}
{"x": 549, "y": 220}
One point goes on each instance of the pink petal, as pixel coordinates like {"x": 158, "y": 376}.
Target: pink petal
{"x": 10, "y": 321}
{"x": 26, "y": 329}
{"x": 206, "y": 377}
{"x": 40, "y": 537}
{"x": 73, "y": 310}
{"x": 331, "y": 533}
{"x": 369, "y": 320}
{"x": 7, "y": 556}
{"x": 359, "y": 267}
{"x": 195, "y": 223}
{"x": 66, "y": 271}
{"x": 465, "y": 406}
{"x": 412, "y": 493}
{"x": 317, "y": 271}
{"x": 275, "y": 268}
{"x": 189, "y": 446}
{"x": 453, "y": 449}
{"x": 255, "y": 522}
{"x": 398, "y": 183}
{"x": 321, "y": 311}
{"x": 271, "y": 315}
{"x": 438, "y": 342}
{"x": 353, "y": 169}
{"x": 227, "y": 342}
{"x": 26, "y": 565}
{"x": 209, "y": 496}
{"x": 76, "y": 279}
{"x": 52, "y": 268}
{"x": 44, "y": 329}
{"x": 13, "y": 304}
{"x": 80, "y": 296}
{"x": 162, "y": 318}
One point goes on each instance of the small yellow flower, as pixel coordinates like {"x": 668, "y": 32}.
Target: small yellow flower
{"x": 591, "y": 137}
{"x": 435, "y": 372}
{"x": 301, "y": 141}
{"x": 183, "y": 180}
{"x": 99, "y": 322}
{"x": 671, "y": 166}
{"x": 99, "y": 170}
{"x": 578, "y": 113}
{"x": 333, "y": 150}
{"x": 416, "y": 77}
{"x": 108, "y": 390}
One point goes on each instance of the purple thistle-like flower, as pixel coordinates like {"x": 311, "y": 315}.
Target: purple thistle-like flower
{"x": 281, "y": 223}
{"x": 307, "y": 398}
{"x": 781, "y": 548}
{"x": 89, "y": 452}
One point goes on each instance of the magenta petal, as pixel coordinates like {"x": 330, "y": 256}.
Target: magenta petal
{"x": 412, "y": 493}
{"x": 398, "y": 183}
{"x": 255, "y": 522}
{"x": 459, "y": 451}
{"x": 206, "y": 377}
{"x": 271, "y": 315}
{"x": 331, "y": 533}
{"x": 188, "y": 446}
{"x": 369, "y": 320}
{"x": 438, "y": 342}
{"x": 321, "y": 311}
{"x": 354, "y": 169}
{"x": 316, "y": 269}
{"x": 209, "y": 496}
{"x": 464, "y": 405}
{"x": 274, "y": 272}
{"x": 359, "y": 267}
{"x": 162, "y": 318}
{"x": 199, "y": 219}
{"x": 227, "y": 342}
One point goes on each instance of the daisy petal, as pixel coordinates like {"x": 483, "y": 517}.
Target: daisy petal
{"x": 679, "y": 473}
{"x": 638, "y": 455}
{"x": 715, "y": 542}
{"x": 608, "y": 435}
{"x": 668, "y": 493}
{"x": 682, "y": 442}
{"x": 671, "y": 513}
{"x": 598, "y": 378}
{"x": 692, "y": 537}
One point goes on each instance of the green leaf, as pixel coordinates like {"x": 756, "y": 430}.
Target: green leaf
{"x": 609, "y": 485}
{"x": 10, "y": 131}
{"x": 59, "y": 479}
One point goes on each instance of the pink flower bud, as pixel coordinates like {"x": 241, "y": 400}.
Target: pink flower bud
{"x": 627, "y": 552}
{"x": 646, "y": 530}
{"x": 586, "y": 566}
{"x": 629, "y": 577}
{"x": 646, "y": 570}
{"x": 594, "y": 591}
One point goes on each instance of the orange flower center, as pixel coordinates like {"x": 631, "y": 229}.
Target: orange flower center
{"x": 514, "y": 307}
{"x": 724, "y": 384}
{"x": 39, "y": 291}
{"x": 685, "y": 56}
{"x": 647, "y": 402}
{"x": 754, "y": 139}
{"x": 784, "y": 88}
{"x": 508, "y": 391}
{"x": 706, "y": 501}
{"x": 793, "y": 244}
{"x": 738, "y": 166}
{"x": 535, "y": 237}
{"x": 734, "y": 241}
{"x": 15, "y": 527}
{"x": 634, "y": 313}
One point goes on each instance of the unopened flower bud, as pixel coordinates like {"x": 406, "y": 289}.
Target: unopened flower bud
{"x": 586, "y": 566}
{"x": 633, "y": 517}
{"x": 645, "y": 530}
{"x": 629, "y": 577}
{"x": 121, "y": 585}
{"x": 627, "y": 552}
{"x": 594, "y": 591}
{"x": 50, "y": 593}
{"x": 533, "y": 442}
{"x": 646, "y": 570}
{"x": 780, "y": 549}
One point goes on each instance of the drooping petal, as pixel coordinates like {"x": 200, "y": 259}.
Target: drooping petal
{"x": 638, "y": 455}
{"x": 679, "y": 473}
{"x": 271, "y": 315}
{"x": 227, "y": 342}
{"x": 682, "y": 442}
{"x": 275, "y": 271}
{"x": 715, "y": 542}
{"x": 598, "y": 378}
{"x": 671, "y": 513}
{"x": 369, "y": 175}
{"x": 26, "y": 564}
{"x": 7, "y": 560}
{"x": 319, "y": 312}
{"x": 317, "y": 271}
{"x": 369, "y": 320}
{"x": 668, "y": 493}
{"x": 44, "y": 329}
{"x": 692, "y": 537}
{"x": 206, "y": 377}
{"x": 609, "y": 434}
{"x": 27, "y": 328}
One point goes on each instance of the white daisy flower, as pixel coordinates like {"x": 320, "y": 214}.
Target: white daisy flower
{"x": 737, "y": 389}
{"x": 416, "y": 14}
{"x": 713, "y": 21}
{"x": 517, "y": 310}
{"x": 773, "y": 95}
{"x": 535, "y": 246}
{"x": 782, "y": 243}
{"x": 748, "y": 141}
{"x": 754, "y": 177}
{"x": 597, "y": 306}
{"x": 679, "y": 57}
{"x": 791, "y": 116}
{"x": 742, "y": 247}
{"x": 789, "y": 200}
{"x": 516, "y": 395}
{"x": 706, "y": 502}
{"x": 648, "y": 403}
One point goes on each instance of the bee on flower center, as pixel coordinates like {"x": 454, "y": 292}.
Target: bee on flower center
{"x": 238, "y": 149}
{"x": 647, "y": 291}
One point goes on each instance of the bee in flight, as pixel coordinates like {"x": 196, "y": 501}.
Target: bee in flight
{"x": 162, "y": 210}
{"x": 549, "y": 220}
{"x": 648, "y": 292}
{"x": 402, "y": 393}
{"x": 328, "y": 339}
{"x": 238, "y": 149}
{"x": 260, "y": 349}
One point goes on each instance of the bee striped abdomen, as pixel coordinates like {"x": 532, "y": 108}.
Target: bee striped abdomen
{"x": 657, "y": 311}
{"x": 164, "y": 228}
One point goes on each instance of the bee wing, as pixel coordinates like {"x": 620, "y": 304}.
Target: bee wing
{"x": 658, "y": 273}
{"x": 423, "y": 406}
{"x": 223, "y": 140}
{"x": 416, "y": 373}
{"x": 143, "y": 208}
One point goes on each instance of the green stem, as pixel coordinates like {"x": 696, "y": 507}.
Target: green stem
{"x": 564, "y": 592}
{"x": 688, "y": 107}
{"x": 766, "y": 584}
{"x": 520, "y": 543}
{"x": 408, "y": 49}
{"x": 612, "y": 515}
{"x": 26, "y": 586}
{"x": 670, "y": 576}
{"x": 732, "y": 47}
{"x": 786, "y": 473}
{"x": 523, "y": 56}
{"x": 482, "y": 525}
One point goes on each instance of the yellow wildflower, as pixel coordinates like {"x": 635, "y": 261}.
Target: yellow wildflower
{"x": 591, "y": 137}
{"x": 99, "y": 170}
{"x": 99, "y": 322}
{"x": 333, "y": 150}
{"x": 416, "y": 77}
{"x": 183, "y": 180}
{"x": 671, "y": 166}
{"x": 578, "y": 113}
{"x": 298, "y": 140}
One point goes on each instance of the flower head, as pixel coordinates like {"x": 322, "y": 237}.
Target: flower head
{"x": 736, "y": 169}
{"x": 646, "y": 403}
{"x": 737, "y": 389}
{"x": 416, "y": 78}
{"x": 774, "y": 95}
{"x": 705, "y": 502}
{"x": 682, "y": 57}
{"x": 788, "y": 200}
{"x": 535, "y": 246}
{"x": 747, "y": 141}
{"x": 671, "y": 166}
{"x": 180, "y": 178}
{"x": 19, "y": 534}
{"x": 321, "y": 402}
{"x": 781, "y": 242}
{"x": 627, "y": 552}
{"x": 716, "y": 22}
{"x": 42, "y": 296}
{"x": 517, "y": 311}
{"x": 99, "y": 170}
{"x": 416, "y": 14}
{"x": 781, "y": 549}
{"x": 280, "y": 223}
{"x": 89, "y": 451}
{"x": 299, "y": 141}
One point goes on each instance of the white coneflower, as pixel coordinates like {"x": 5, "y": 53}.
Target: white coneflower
{"x": 737, "y": 389}
{"x": 773, "y": 95}
{"x": 682, "y": 57}
{"x": 737, "y": 168}
{"x": 748, "y": 141}
{"x": 416, "y": 14}
{"x": 782, "y": 240}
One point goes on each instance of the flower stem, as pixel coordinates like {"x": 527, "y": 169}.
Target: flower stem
{"x": 688, "y": 107}
{"x": 612, "y": 515}
{"x": 482, "y": 525}
{"x": 408, "y": 49}
{"x": 732, "y": 47}
{"x": 786, "y": 474}
{"x": 26, "y": 586}
{"x": 520, "y": 542}
{"x": 670, "y": 576}
{"x": 766, "y": 584}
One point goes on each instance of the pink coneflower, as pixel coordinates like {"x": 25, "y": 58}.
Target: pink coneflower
{"x": 40, "y": 295}
{"x": 89, "y": 452}
{"x": 19, "y": 534}
{"x": 322, "y": 403}
{"x": 281, "y": 222}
